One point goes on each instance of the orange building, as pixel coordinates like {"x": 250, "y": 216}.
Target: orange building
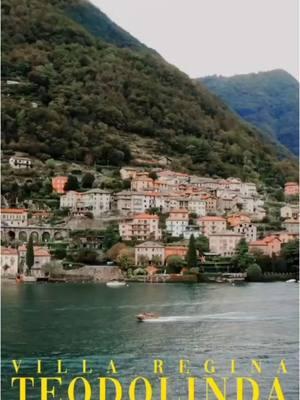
{"x": 270, "y": 245}
{"x": 58, "y": 183}
{"x": 238, "y": 219}
{"x": 291, "y": 189}
{"x": 175, "y": 251}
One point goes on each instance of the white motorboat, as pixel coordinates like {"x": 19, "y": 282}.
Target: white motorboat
{"x": 146, "y": 316}
{"x": 116, "y": 284}
{"x": 291, "y": 281}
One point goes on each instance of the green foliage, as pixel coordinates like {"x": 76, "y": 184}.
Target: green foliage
{"x": 85, "y": 256}
{"x": 30, "y": 254}
{"x": 87, "y": 180}
{"x": 254, "y": 273}
{"x": 191, "y": 256}
{"x": 202, "y": 244}
{"x": 72, "y": 183}
{"x": 290, "y": 252}
{"x": 174, "y": 264}
{"x": 111, "y": 237}
{"x": 269, "y": 100}
{"x": 94, "y": 98}
{"x": 243, "y": 259}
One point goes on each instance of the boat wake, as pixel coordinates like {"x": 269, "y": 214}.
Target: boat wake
{"x": 228, "y": 316}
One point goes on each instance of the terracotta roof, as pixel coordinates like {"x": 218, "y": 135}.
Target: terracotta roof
{"x": 291, "y": 184}
{"x": 150, "y": 244}
{"x": 265, "y": 241}
{"x": 179, "y": 210}
{"x": 212, "y": 218}
{"x": 8, "y": 251}
{"x": 146, "y": 216}
{"x": 13, "y": 210}
{"x": 38, "y": 251}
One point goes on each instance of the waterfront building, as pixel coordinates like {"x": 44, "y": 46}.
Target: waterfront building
{"x": 41, "y": 257}
{"x": 9, "y": 259}
{"x": 14, "y": 217}
{"x": 225, "y": 243}
{"x": 140, "y": 227}
{"x": 175, "y": 250}
{"x": 148, "y": 252}
{"x": 269, "y": 246}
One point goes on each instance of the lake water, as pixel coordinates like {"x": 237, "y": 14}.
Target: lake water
{"x": 73, "y": 322}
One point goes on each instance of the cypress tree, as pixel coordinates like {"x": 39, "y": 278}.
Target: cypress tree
{"x": 191, "y": 256}
{"x": 30, "y": 254}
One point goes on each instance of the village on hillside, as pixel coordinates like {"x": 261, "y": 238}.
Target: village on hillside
{"x": 162, "y": 226}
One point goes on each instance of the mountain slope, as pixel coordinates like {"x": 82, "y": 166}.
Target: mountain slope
{"x": 80, "y": 98}
{"x": 268, "y": 100}
{"x": 99, "y": 25}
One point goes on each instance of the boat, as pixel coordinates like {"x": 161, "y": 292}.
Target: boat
{"x": 116, "y": 284}
{"x": 147, "y": 316}
{"x": 291, "y": 281}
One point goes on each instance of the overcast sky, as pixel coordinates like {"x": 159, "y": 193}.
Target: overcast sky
{"x": 205, "y": 37}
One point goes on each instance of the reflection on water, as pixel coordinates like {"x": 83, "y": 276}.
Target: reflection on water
{"x": 197, "y": 322}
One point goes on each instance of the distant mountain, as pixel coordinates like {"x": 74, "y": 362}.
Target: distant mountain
{"x": 268, "y": 100}
{"x": 72, "y": 95}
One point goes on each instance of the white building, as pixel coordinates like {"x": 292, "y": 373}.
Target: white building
{"x": 14, "y": 217}
{"x": 9, "y": 259}
{"x": 192, "y": 230}
{"x": 20, "y": 162}
{"x": 248, "y": 230}
{"x": 41, "y": 257}
{"x": 289, "y": 211}
{"x": 96, "y": 201}
{"x": 248, "y": 189}
{"x": 177, "y": 222}
{"x": 197, "y": 206}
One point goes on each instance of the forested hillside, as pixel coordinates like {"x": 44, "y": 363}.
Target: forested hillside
{"x": 268, "y": 100}
{"x": 76, "y": 97}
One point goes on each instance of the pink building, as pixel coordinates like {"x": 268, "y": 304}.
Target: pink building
{"x": 140, "y": 227}
{"x": 291, "y": 189}
{"x": 268, "y": 246}
{"x": 58, "y": 183}
{"x": 212, "y": 225}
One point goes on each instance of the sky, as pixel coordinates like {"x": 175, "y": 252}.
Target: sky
{"x": 207, "y": 37}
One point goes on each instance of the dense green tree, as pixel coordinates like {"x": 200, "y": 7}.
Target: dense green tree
{"x": 191, "y": 256}
{"x": 111, "y": 237}
{"x": 243, "y": 259}
{"x": 29, "y": 254}
{"x": 254, "y": 273}
{"x": 87, "y": 180}
{"x": 174, "y": 264}
{"x": 202, "y": 244}
{"x": 290, "y": 253}
{"x": 72, "y": 183}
